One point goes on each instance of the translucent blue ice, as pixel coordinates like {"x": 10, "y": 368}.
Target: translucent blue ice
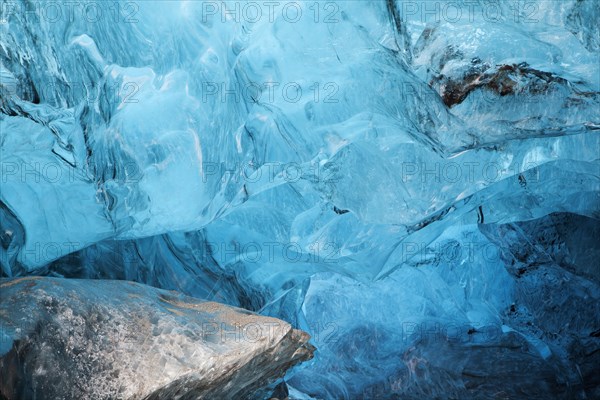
{"x": 394, "y": 177}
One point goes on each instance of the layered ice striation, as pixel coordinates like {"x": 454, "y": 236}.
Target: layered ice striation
{"x": 416, "y": 184}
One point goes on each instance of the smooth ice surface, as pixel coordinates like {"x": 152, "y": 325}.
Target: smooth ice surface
{"x": 416, "y": 184}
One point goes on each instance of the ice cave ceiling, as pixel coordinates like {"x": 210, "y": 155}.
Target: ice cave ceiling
{"x": 415, "y": 184}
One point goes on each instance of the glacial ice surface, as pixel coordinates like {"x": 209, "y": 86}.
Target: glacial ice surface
{"x": 426, "y": 205}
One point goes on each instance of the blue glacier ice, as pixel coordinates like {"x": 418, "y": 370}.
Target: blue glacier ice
{"x": 414, "y": 183}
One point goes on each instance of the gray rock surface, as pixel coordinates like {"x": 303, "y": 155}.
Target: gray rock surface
{"x": 95, "y": 339}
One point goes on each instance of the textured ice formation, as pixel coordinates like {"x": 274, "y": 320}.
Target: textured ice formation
{"x": 416, "y": 184}
{"x": 75, "y": 339}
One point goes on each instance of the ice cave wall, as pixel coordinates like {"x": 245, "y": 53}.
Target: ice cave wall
{"x": 369, "y": 172}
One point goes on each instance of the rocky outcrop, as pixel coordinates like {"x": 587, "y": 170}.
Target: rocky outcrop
{"x": 95, "y": 339}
